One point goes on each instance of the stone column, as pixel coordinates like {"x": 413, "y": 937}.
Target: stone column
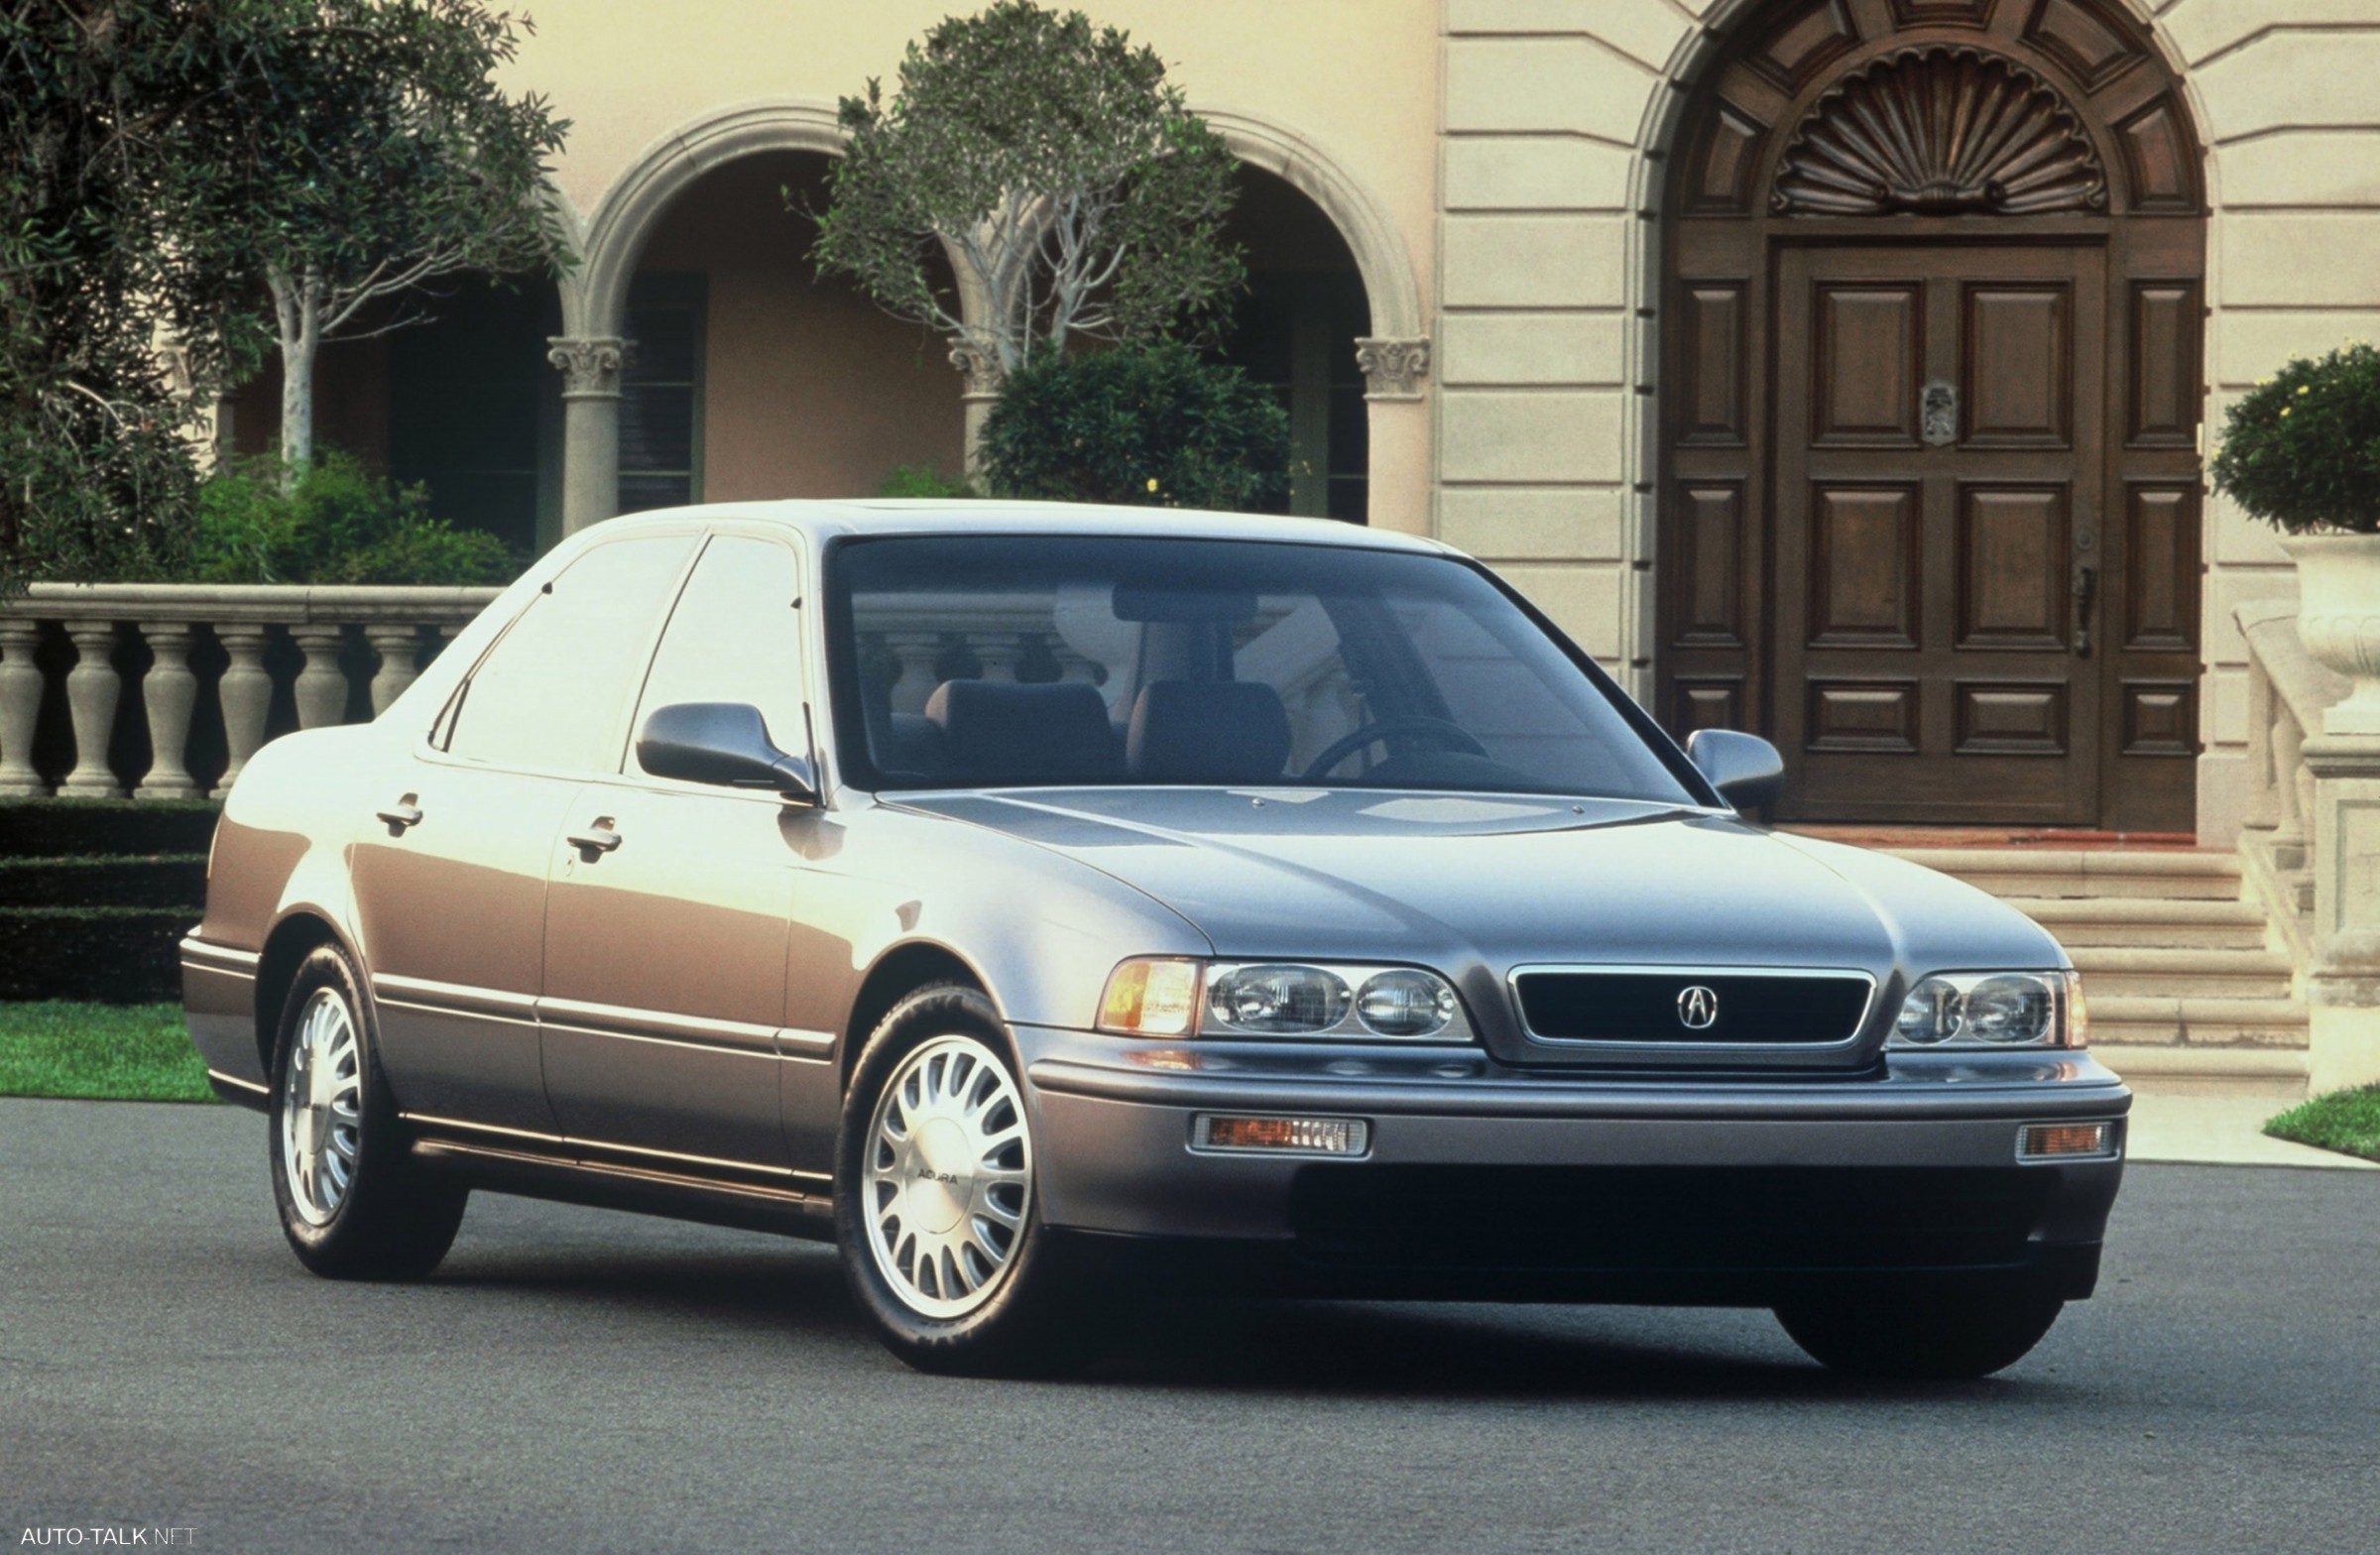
{"x": 399, "y": 648}
{"x": 92, "y": 688}
{"x": 984, "y": 376}
{"x": 246, "y": 696}
{"x": 321, "y": 687}
{"x": 169, "y": 693}
{"x": 591, "y": 368}
{"x": 20, "y": 706}
{"x": 1400, "y": 417}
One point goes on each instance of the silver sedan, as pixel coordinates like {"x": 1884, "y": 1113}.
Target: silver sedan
{"x": 1048, "y": 904}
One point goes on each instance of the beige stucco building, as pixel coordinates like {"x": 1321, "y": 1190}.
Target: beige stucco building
{"x": 1836, "y": 368}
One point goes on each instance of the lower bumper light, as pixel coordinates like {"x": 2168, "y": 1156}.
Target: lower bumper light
{"x": 1297, "y": 1135}
{"x": 2042, "y": 1141}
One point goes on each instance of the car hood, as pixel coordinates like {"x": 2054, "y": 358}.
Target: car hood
{"x": 1488, "y": 883}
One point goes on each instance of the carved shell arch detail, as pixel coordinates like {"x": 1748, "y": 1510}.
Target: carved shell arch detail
{"x": 1939, "y": 132}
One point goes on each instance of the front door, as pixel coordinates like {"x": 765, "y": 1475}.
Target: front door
{"x": 1940, "y": 481}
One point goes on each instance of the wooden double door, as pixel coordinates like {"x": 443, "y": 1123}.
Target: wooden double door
{"x": 1970, "y": 611}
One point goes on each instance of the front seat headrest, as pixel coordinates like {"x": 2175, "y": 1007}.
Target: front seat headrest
{"x": 1208, "y": 730}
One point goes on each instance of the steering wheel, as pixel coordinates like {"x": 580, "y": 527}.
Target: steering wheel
{"x": 1347, "y": 745}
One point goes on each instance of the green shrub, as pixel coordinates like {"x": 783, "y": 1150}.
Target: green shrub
{"x": 2301, "y": 451}
{"x": 1156, "y": 425}
{"x": 923, "y": 480}
{"x": 337, "y": 523}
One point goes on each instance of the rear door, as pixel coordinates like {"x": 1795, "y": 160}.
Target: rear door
{"x": 451, "y": 881}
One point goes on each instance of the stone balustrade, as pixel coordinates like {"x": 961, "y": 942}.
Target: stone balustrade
{"x": 207, "y": 672}
{"x": 2310, "y": 843}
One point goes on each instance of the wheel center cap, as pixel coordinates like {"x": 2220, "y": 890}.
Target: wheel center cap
{"x": 939, "y": 1184}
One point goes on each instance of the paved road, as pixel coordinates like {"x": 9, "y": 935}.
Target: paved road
{"x": 576, "y": 1380}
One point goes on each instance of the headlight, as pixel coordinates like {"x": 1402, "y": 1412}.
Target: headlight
{"x": 1993, "y": 1010}
{"x": 1152, "y": 996}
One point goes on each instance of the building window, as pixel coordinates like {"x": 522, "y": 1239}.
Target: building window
{"x": 660, "y": 395}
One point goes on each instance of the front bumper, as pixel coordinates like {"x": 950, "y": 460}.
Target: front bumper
{"x": 1479, "y": 1180}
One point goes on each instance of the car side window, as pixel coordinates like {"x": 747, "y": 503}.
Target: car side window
{"x": 550, "y": 693}
{"x": 735, "y": 637}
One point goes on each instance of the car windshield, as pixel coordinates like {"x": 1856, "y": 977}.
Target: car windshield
{"x": 965, "y": 660}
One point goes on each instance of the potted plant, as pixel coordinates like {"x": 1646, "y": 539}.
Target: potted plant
{"x": 2301, "y": 451}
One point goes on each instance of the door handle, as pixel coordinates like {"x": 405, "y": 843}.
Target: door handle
{"x": 397, "y": 817}
{"x": 596, "y": 840}
{"x": 2085, "y": 587}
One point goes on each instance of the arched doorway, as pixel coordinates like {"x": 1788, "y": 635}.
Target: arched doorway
{"x": 1928, "y": 513}
{"x": 1295, "y": 330}
{"x": 753, "y": 376}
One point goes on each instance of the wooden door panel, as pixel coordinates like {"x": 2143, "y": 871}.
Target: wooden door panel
{"x": 2160, "y": 595}
{"x": 1870, "y": 347}
{"x": 2010, "y": 719}
{"x": 2018, "y": 353}
{"x": 1713, "y": 566}
{"x": 1872, "y": 716}
{"x": 1715, "y": 330}
{"x": 2162, "y": 391}
{"x": 1866, "y": 576}
{"x": 2012, "y": 583}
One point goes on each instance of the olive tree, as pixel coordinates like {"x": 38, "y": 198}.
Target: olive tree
{"x": 371, "y": 153}
{"x": 1057, "y": 165}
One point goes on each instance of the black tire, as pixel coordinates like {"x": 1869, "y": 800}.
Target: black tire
{"x": 387, "y": 1219}
{"x": 1027, "y": 1316}
{"x": 1932, "y": 1334}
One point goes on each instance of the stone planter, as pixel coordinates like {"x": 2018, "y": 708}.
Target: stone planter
{"x": 2338, "y": 620}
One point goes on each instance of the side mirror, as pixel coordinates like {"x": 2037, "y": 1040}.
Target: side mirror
{"x": 1746, "y": 770}
{"x": 722, "y": 743}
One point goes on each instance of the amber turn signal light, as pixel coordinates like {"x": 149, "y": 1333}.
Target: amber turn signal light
{"x": 2040, "y": 1141}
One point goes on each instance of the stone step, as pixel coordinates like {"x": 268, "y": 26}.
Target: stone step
{"x": 2186, "y": 972}
{"x": 2275, "y": 1073}
{"x": 2086, "y": 872}
{"x": 2134, "y": 1020}
{"x": 2146, "y": 920}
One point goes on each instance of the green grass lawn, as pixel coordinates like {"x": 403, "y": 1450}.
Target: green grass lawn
{"x": 2344, "y": 1120}
{"x": 112, "y": 1053}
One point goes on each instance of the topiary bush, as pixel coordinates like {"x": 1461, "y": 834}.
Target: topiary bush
{"x": 336, "y": 523}
{"x": 923, "y": 480}
{"x": 2301, "y": 451}
{"x": 1156, "y": 425}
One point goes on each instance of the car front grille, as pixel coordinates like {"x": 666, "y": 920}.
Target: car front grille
{"x": 1684, "y": 1005}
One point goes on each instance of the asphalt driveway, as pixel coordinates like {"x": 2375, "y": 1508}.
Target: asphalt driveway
{"x": 576, "y": 1381}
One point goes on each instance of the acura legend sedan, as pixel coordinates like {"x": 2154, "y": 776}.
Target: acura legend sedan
{"x": 1053, "y": 906}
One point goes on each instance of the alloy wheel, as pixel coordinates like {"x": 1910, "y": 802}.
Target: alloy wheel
{"x": 321, "y": 1107}
{"x": 948, "y": 1179}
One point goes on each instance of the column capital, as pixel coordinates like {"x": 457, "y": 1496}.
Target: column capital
{"x": 591, "y": 365}
{"x": 1392, "y": 369}
{"x": 980, "y": 367}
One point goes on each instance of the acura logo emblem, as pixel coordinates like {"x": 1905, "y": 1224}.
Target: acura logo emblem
{"x": 1698, "y": 1007}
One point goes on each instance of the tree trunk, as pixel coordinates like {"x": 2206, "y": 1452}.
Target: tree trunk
{"x": 298, "y": 320}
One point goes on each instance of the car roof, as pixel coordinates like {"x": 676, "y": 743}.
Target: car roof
{"x": 825, "y": 521}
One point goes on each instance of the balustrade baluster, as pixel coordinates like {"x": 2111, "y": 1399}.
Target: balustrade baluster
{"x": 322, "y": 688}
{"x": 169, "y": 693}
{"x": 399, "y": 648}
{"x": 916, "y": 651}
{"x": 246, "y": 696}
{"x": 20, "y": 708}
{"x": 93, "y": 689}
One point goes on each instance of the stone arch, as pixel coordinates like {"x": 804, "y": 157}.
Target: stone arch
{"x": 1379, "y": 249}
{"x": 633, "y": 206}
